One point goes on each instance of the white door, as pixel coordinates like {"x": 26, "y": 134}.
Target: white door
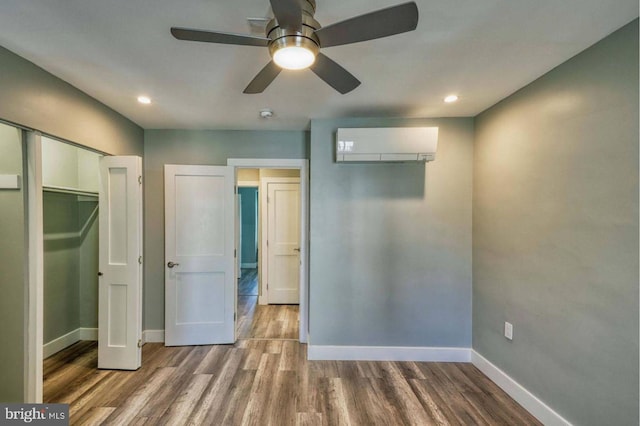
{"x": 199, "y": 255}
{"x": 283, "y": 243}
{"x": 120, "y": 260}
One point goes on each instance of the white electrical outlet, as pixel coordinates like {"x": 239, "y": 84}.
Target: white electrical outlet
{"x": 508, "y": 330}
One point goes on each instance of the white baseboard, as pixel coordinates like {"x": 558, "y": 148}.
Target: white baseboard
{"x": 62, "y": 342}
{"x": 248, "y": 265}
{"x": 529, "y": 401}
{"x": 388, "y": 353}
{"x": 89, "y": 334}
{"x": 153, "y": 336}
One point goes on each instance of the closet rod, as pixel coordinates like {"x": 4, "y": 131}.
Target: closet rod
{"x": 63, "y": 190}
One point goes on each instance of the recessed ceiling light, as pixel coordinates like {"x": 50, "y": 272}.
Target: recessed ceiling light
{"x": 144, "y": 100}
{"x": 451, "y": 98}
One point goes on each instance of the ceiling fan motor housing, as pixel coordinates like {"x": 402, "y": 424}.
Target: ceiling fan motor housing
{"x": 294, "y": 39}
{"x": 281, "y": 37}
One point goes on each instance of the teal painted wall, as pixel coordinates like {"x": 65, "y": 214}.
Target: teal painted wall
{"x": 249, "y": 229}
{"x": 390, "y": 255}
{"x": 555, "y": 234}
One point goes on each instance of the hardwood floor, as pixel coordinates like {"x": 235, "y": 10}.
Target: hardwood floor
{"x": 263, "y": 321}
{"x": 248, "y": 284}
{"x": 270, "y": 382}
{"x": 265, "y": 379}
{"x": 266, "y": 321}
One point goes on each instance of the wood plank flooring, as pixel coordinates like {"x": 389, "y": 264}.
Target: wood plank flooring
{"x": 270, "y": 382}
{"x": 265, "y": 379}
{"x": 263, "y": 321}
{"x": 266, "y": 321}
{"x": 248, "y": 284}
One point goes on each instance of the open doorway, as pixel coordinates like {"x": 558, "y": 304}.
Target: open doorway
{"x": 70, "y": 187}
{"x": 74, "y": 226}
{"x": 268, "y": 291}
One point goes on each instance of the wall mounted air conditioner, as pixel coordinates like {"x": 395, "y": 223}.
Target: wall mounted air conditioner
{"x": 396, "y": 144}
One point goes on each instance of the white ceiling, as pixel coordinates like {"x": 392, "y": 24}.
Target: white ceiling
{"x": 482, "y": 50}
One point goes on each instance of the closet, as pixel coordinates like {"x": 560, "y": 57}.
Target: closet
{"x": 70, "y": 179}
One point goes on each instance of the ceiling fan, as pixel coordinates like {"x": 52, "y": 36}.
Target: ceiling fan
{"x": 294, "y": 39}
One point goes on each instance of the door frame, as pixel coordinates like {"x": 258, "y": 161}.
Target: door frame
{"x": 34, "y": 327}
{"x": 303, "y": 166}
{"x": 34, "y": 280}
{"x": 263, "y": 299}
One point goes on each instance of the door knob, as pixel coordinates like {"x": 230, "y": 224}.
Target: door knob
{"x": 297, "y": 249}
{"x": 171, "y": 264}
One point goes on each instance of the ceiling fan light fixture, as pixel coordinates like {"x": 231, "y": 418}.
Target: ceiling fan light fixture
{"x": 294, "y": 52}
{"x": 294, "y": 58}
{"x": 294, "y": 38}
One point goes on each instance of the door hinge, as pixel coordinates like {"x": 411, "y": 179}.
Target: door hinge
{"x": 234, "y": 316}
{"x": 139, "y": 343}
{"x": 140, "y": 260}
{"x": 140, "y": 180}
{"x": 235, "y": 253}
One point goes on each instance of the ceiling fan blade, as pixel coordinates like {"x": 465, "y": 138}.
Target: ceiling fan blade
{"x": 334, "y": 75}
{"x": 218, "y": 37}
{"x": 288, "y": 13}
{"x": 382, "y": 23}
{"x": 263, "y": 79}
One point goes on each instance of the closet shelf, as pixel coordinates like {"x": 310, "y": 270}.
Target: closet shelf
{"x": 64, "y": 190}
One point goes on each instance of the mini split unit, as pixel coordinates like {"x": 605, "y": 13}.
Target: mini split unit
{"x": 398, "y": 144}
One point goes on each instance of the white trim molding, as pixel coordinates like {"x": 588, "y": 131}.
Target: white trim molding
{"x": 388, "y": 353}
{"x": 266, "y": 163}
{"x": 89, "y": 334}
{"x": 303, "y": 166}
{"x": 153, "y": 336}
{"x": 529, "y": 401}
{"x": 34, "y": 330}
{"x": 56, "y": 345}
{"x": 248, "y": 183}
{"x": 63, "y": 342}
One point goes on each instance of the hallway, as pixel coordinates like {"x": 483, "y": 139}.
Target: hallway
{"x": 263, "y": 321}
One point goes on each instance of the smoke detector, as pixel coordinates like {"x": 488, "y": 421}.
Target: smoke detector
{"x": 266, "y": 113}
